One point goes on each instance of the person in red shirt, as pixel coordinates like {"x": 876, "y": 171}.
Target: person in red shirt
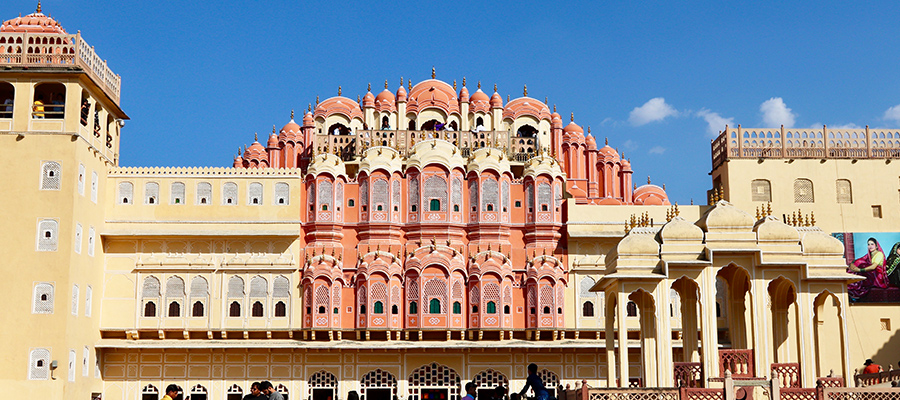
{"x": 871, "y": 367}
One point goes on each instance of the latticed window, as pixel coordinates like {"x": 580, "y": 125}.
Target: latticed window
{"x": 255, "y": 194}
{"x": 322, "y": 379}
{"x": 78, "y": 234}
{"x": 436, "y": 189}
{"x": 430, "y": 376}
{"x": 151, "y": 193}
{"x": 844, "y": 192}
{"x": 544, "y": 196}
{"x": 95, "y": 183}
{"x": 338, "y": 195}
{"x": 229, "y": 193}
{"x": 413, "y": 193}
{"x": 325, "y": 195}
{"x": 529, "y": 196}
{"x": 50, "y": 175}
{"x": 177, "y": 193}
{"x": 81, "y": 179}
{"x": 259, "y": 287}
{"x": 174, "y": 288}
{"x": 546, "y": 298}
{"x": 378, "y": 379}
{"x": 281, "y": 288}
{"x": 75, "y": 295}
{"x": 436, "y": 291}
{"x": 43, "y": 299}
{"x": 803, "y": 191}
{"x": 380, "y": 194}
{"x": 282, "y": 194}
{"x": 39, "y": 365}
{"x": 91, "y": 241}
{"x": 490, "y": 378}
{"x": 126, "y": 192}
{"x": 473, "y": 195}
{"x": 760, "y": 190}
{"x": 88, "y": 298}
{"x": 489, "y": 195}
{"x": 504, "y": 195}
{"x": 204, "y": 193}
{"x": 235, "y": 287}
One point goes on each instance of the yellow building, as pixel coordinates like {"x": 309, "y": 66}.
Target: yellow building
{"x": 302, "y": 264}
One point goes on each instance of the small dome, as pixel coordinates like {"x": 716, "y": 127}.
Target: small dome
{"x": 626, "y": 165}
{"x": 479, "y": 102}
{"x": 308, "y": 119}
{"x": 273, "y": 141}
{"x": 433, "y": 93}
{"x": 339, "y": 105}
{"x": 35, "y": 22}
{"x": 327, "y": 163}
{"x": 496, "y": 100}
{"x": 572, "y": 127}
{"x": 379, "y": 157}
{"x": 401, "y": 94}
{"x": 291, "y": 128}
{"x": 385, "y": 101}
{"x": 725, "y": 216}
{"x": 256, "y": 149}
{"x": 464, "y": 95}
{"x": 591, "y": 142}
{"x": 650, "y": 195}
{"x": 368, "y": 100}
{"x": 238, "y": 162}
{"x": 637, "y": 244}
{"x": 608, "y": 153}
{"x": 679, "y": 229}
{"x": 771, "y": 229}
{"x": 526, "y": 106}
{"x": 488, "y": 159}
{"x": 820, "y": 243}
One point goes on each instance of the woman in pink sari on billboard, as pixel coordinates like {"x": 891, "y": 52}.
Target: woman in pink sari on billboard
{"x": 870, "y": 266}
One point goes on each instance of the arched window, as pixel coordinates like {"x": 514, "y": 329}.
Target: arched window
{"x": 587, "y": 309}
{"x": 204, "y": 193}
{"x": 413, "y": 308}
{"x": 457, "y": 307}
{"x": 434, "y": 306}
{"x": 150, "y": 309}
{"x": 151, "y": 193}
{"x": 126, "y": 192}
{"x": 229, "y": 193}
{"x": 394, "y": 310}
{"x": 491, "y": 307}
{"x": 506, "y": 309}
{"x": 282, "y": 194}
{"x": 255, "y": 194}
{"x": 177, "y": 193}
{"x": 280, "y": 309}
{"x": 234, "y": 310}
{"x": 43, "y": 299}
{"x": 760, "y": 190}
{"x": 47, "y": 235}
{"x": 149, "y": 392}
{"x": 257, "y": 309}
{"x": 174, "y": 309}
{"x": 844, "y": 192}
{"x": 197, "y": 309}
{"x": 39, "y": 365}
{"x": 803, "y": 191}
{"x": 631, "y": 309}
{"x": 7, "y": 99}
{"x": 378, "y": 307}
{"x": 434, "y": 205}
{"x": 49, "y": 101}
{"x": 50, "y": 175}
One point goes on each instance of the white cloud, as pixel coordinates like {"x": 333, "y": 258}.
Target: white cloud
{"x": 657, "y": 150}
{"x": 892, "y": 114}
{"x": 776, "y": 113}
{"x": 715, "y": 123}
{"x": 653, "y": 110}
{"x": 630, "y": 145}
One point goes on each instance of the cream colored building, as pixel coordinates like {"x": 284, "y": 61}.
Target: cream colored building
{"x": 302, "y": 264}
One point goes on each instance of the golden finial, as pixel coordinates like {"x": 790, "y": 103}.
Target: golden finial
{"x": 572, "y": 117}
{"x": 758, "y": 213}
{"x": 812, "y": 218}
{"x": 589, "y": 129}
{"x": 495, "y": 88}
{"x": 769, "y": 208}
{"x": 648, "y": 179}
{"x": 273, "y": 129}
{"x": 370, "y": 87}
{"x": 292, "y": 115}
{"x": 606, "y": 141}
{"x": 545, "y": 100}
{"x": 39, "y": 6}
{"x": 357, "y": 98}
{"x": 464, "y": 81}
{"x": 308, "y": 107}
{"x": 507, "y": 98}
{"x": 255, "y": 137}
{"x": 454, "y": 85}
{"x": 525, "y": 91}
{"x": 401, "y": 81}
{"x": 677, "y": 213}
{"x": 317, "y": 100}
{"x": 409, "y": 84}
{"x": 433, "y": 75}
{"x": 554, "y": 108}
{"x": 479, "y": 84}
{"x": 339, "y": 90}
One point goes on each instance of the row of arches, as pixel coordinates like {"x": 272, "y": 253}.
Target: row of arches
{"x": 262, "y": 299}
{"x": 203, "y": 193}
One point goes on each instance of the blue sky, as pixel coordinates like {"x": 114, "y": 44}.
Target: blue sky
{"x": 199, "y": 78}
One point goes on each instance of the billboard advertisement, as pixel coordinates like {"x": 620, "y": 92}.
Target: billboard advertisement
{"x": 875, "y": 256}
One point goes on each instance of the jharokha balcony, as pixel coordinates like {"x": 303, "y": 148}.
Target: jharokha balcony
{"x": 790, "y": 143}
{"x": 37, "y": 41}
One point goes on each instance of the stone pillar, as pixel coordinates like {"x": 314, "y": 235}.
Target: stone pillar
{"x": 689, "y": 323}
{"x": 621, "y": 303}
{"x": 665, "y": 374}
{"x": 611, "y": 312}
{"x": 709, "y": 340}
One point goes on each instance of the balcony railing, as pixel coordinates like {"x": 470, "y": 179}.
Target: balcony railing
{"x": 689, "y": 374}
{"x": 739, "y": 362}
{"x": 825, "y": 143}
{"x": 349, "y": 146}
{"x": 36, "y": 50}
{"x": 788, "y": 374}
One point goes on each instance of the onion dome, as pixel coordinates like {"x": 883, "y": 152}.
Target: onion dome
{"x": 488, "y": 159}
{"x": 256, "y": 149}
{"x": 308, "y": 119}
{"x": 464, "y": 94}
{"x": 435, "y": 151}
{"x": 479, "y": 101}
{"x": 543, "y": 164}
{"x": 572, "y": 127}
{"x": 650, "y": 195}
{"x": 368, "y": 100}
{"x": 607, "y": 153}
{"x": 385, "y": 100}
{"x": 638, "y": 244}
{"x": 35, "y": 22}
{"x": 771, "y": 229}
{"x": 526, "y": 106}
{"x": 433, "y": 93}
{"x": 591, "y": 143}
{"x": 626, "y": 165}
{"x": 496, "y": 100}
{"x": 555, "y": 119}
{"x": 291, "y": 129}
{"x": 238, "y": 162}
{"x": 383, "y": 158}
{"x": 339, "y": 105}
{"x": 401, "y": 93}
{"x": 724, "y": 217}
{"x": 273, "y": 141}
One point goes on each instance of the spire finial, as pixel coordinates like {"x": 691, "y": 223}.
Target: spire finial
{"x": 409, "y": 84}
{"x": 401, "y": 81}
{"x": 464, "y": 81}
{"x": 308, "y": 107}
{"x": 572, "y": 117}
{"x": 507, "y": 98}
{"x": 606, "y": 141}
{"x": 255, "y": 137}
{"x": 357, "y": 98}
{"x": 339, "y": 90}
{"x": 554, "y": 108}
{"x": 385, "y": 84}
{"x": 39, "y": 6}
{"x": 479, "y": 84}
{"x": 292, "y": 114}
{"x": 545, "y": 99}
{"x": 433, "y": 75}
{"x": 525, "y": 91}
{"x": 589, "y": 129}
{"x": 369, "y": 89}
{"x": 454, "y": 85}
{"x": 317, "y": 100}
{"x": 495, "y": 88}
{"x": 273, "y": 129}
{"x": 648, "y": 179}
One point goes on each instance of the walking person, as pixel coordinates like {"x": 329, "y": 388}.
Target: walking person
{"x": 470, "y": 391}
{"x": 269, "y": 390}
{"x": 171, "y": 392}
{"x": 255, "y": 393}
{"x": 536, "y": 384}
